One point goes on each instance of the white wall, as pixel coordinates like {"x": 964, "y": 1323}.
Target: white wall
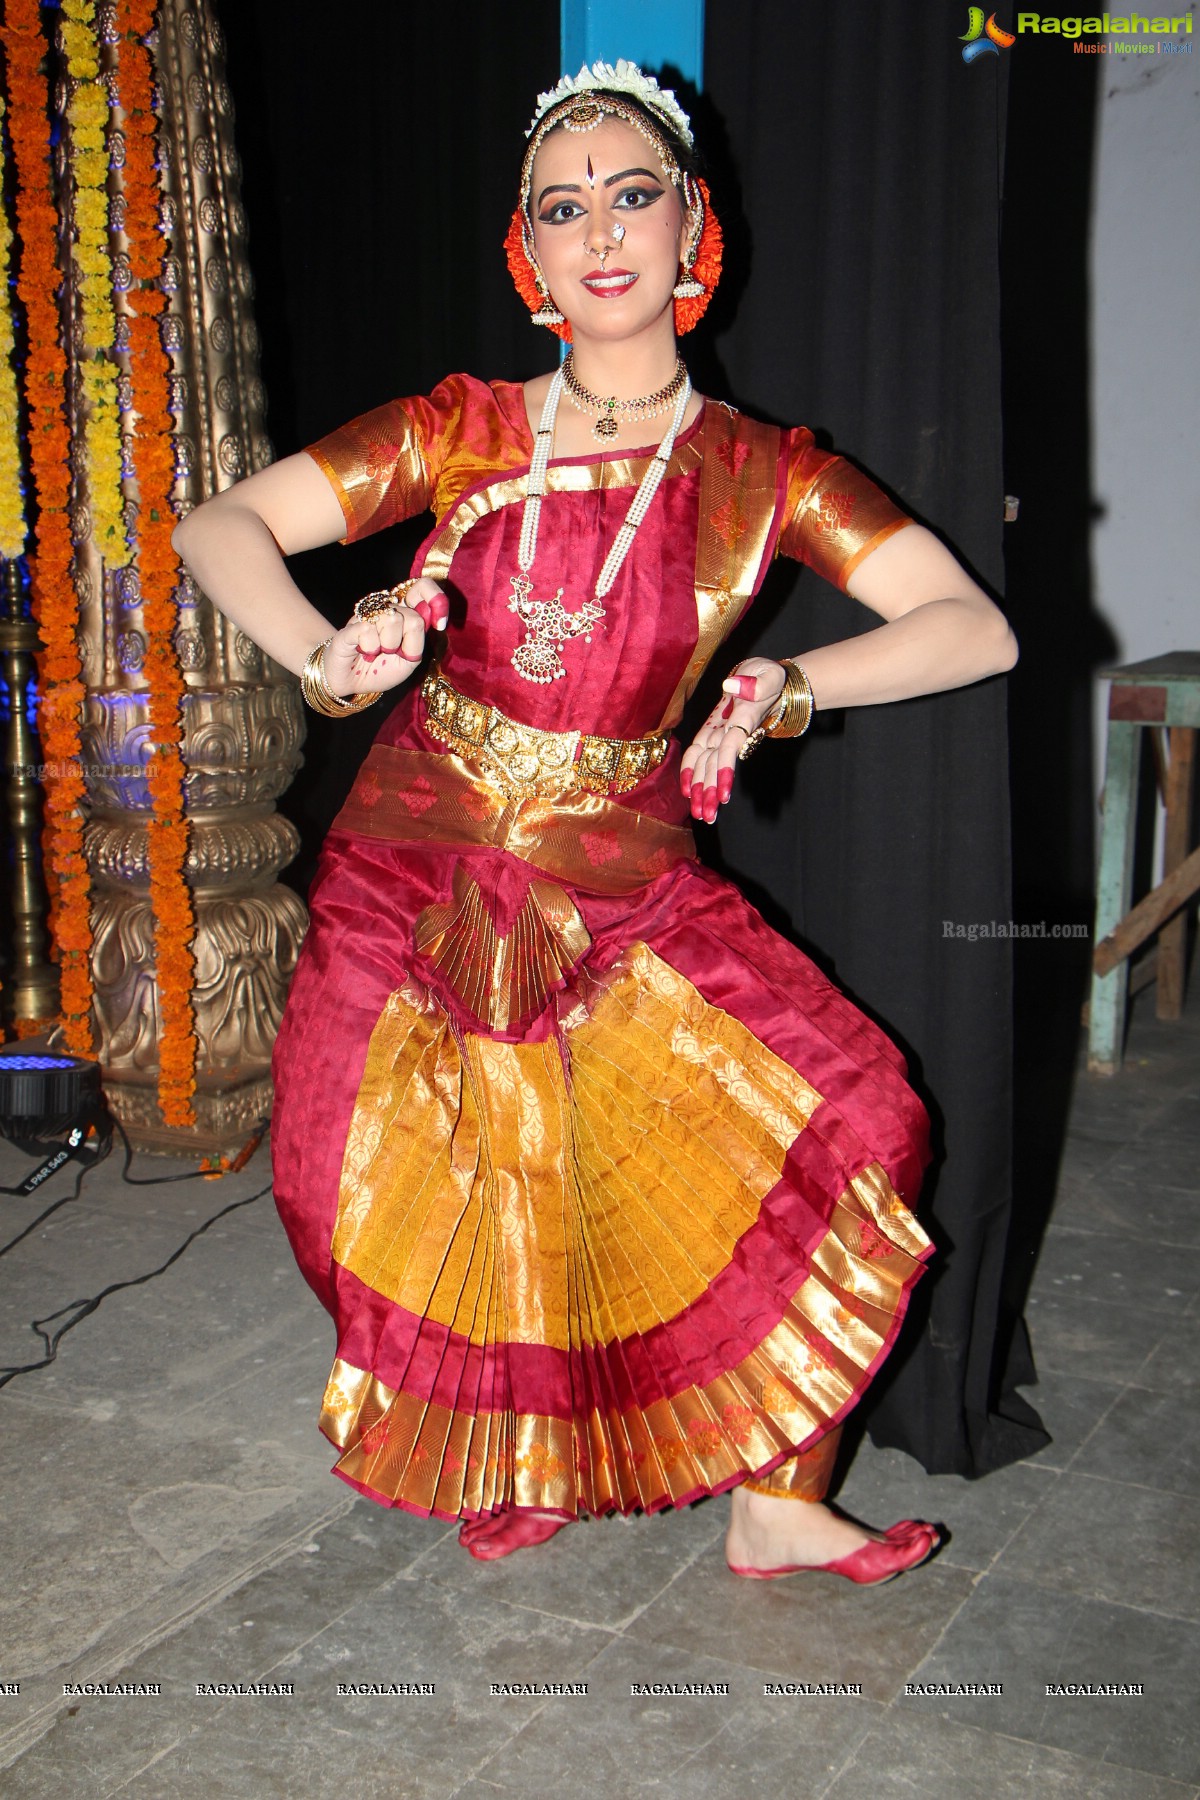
{"x": 1146, "y": 358}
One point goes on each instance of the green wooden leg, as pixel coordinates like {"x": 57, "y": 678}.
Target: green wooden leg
{"x": 1106, "y": 1027}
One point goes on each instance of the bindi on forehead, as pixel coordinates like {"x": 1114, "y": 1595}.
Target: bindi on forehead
{"x": 609, "y": 145}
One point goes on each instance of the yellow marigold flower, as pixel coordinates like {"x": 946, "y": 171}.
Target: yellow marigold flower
{"x": 12, "y": 509}
{"x": 87, "y": 118}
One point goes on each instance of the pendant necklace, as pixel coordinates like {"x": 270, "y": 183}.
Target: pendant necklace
{"x": 548, "y": 624}
{"x": 609, "y": 414}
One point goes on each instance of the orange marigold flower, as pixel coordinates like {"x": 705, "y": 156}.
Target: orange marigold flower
{"x": 158, "y": 570}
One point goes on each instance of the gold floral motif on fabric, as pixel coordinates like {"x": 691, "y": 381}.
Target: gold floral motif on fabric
{"x": 804, "y": 1477}
{"x": 835, "y": 518}
{"x": 366, "y": 459}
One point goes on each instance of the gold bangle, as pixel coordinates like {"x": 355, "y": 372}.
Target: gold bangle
{"x": 320, "y": 696}
{"x": 792, "y": 713}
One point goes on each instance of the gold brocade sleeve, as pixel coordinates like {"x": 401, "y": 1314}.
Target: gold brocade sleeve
{"x": 377, "y": 468}
{"x": 410, "y": 455}
{"x": 834, "y": 514}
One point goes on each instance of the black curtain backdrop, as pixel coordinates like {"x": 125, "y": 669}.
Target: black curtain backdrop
{"x": 1047, "y": 457}
{"x": 856, "y": 163}
{"x": 868, "y": 163}
{"x": 381, "y": 148}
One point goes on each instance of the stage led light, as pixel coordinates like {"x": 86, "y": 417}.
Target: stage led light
{"x": 43, "y": 1095}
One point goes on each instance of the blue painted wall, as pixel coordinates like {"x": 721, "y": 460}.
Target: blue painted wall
{"x": 650, "y": 32}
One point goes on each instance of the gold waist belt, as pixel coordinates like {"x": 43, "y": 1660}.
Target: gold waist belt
{"x": 523, "y": 760}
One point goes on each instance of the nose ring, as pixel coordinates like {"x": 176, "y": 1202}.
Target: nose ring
{"x": 618, "y": 235}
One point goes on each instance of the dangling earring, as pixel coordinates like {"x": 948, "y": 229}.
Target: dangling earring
{"x": 688, "y": 288}
{"x": 547, "y": 313}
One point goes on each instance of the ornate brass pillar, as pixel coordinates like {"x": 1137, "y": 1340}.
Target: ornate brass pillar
{"x": 243, "y": 719}
{"x": 32, "y": 979}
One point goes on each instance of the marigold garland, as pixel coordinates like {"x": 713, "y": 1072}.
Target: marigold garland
{"x": 12, "y": 504}
{"x": 53, "y": 594}
{"x": 87, "y": 116}
{"x": 154, "y": 464}
{"x": 707, "y": 270}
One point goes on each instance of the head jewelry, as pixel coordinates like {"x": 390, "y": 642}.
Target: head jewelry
{"x": 579, "y": 103}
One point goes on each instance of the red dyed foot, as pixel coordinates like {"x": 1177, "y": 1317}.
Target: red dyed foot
{"x": 902, "y": 1547}
{"x": 500, "y": 1535}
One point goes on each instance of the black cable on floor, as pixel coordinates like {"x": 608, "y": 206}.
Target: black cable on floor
{"x": 80, "y": 1309}
{"x": 87, "y": 1140}
{"x": 73, "y": 1195}
{"x": 103, "y": 1150}
{"x": 89, "y": 1306}
{"x": 210, "y": 1174}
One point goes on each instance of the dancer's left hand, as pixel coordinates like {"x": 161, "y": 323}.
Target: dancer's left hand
{"x": 706, "y": 773}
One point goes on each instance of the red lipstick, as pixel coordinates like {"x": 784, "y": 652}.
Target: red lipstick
{"x": 607, "y": 282}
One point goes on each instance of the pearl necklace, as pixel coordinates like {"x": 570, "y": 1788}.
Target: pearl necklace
{"x": 610, "y": 413}
{"x": 548, "y": 625}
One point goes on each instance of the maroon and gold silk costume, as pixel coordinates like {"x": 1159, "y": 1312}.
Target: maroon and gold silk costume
{"x": 607, "y": 1188}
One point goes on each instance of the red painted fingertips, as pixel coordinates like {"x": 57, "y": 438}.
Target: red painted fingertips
{"x": 747, "y": 683}
{"x": 724, "y": 785}
{"x": 685, "y": 782}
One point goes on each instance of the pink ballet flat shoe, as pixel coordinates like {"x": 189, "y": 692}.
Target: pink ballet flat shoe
{"x": 490, "y": 1539}
{"x": 903, "y": 1547}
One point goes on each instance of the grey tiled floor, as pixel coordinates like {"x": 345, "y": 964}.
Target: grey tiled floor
{"x": 169, "y": 1517}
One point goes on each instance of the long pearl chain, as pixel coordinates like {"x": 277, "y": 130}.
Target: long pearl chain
{"x": 548, "y": 625}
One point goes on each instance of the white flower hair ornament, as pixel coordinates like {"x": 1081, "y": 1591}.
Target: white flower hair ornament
{"x": 622, "y": 77}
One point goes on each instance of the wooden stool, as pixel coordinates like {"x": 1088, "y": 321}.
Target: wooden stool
{"x": 1163, "y": 692}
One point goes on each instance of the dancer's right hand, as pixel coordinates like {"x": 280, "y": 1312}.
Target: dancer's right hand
{"x": 369, "y": 656}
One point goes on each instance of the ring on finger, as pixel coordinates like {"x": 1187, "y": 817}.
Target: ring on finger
{"x": 382, "y": 600}
{"x": 753, "y": 740}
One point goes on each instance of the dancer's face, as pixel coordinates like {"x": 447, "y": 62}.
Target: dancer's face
{"x": 601, "y": 191}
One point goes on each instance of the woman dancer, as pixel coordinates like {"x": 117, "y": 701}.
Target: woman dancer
{"x": 607, "y": 1189}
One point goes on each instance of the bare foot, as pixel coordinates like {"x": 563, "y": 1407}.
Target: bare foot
{"x": 514, "y": 1529}
{"x": 771, "y": 1533}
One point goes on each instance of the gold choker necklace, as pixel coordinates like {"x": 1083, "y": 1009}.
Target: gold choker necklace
{"x": 610, "y": 414}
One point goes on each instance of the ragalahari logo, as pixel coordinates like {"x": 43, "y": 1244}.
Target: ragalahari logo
{"x": 984, "y": 38}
